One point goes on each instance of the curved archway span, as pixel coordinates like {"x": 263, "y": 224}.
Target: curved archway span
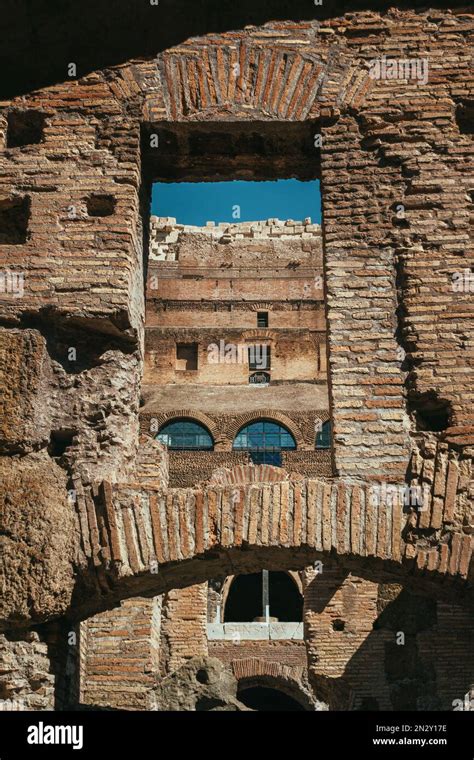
{"x": 289, "y": 88}
{"x": 253, "y": 672}
{"x": 143, "y": 541}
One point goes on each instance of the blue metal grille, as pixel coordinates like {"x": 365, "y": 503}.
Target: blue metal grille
{"x": 323, "y": 437}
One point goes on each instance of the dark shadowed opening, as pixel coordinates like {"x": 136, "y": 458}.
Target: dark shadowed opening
{"x": 245, "y": 599}
{"x": 263, "y": 698}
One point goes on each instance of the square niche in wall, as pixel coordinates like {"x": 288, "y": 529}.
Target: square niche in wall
{"x": 25, "y": 128}
{"x": 14, "y": 217}
{"x": 186, "y": 356}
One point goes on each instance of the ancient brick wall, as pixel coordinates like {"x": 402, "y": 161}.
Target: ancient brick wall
{"x": 397, "y": 195}
{"x": 121, "y": 659}
{"x": 376, "y": 646}
{"x": 339, "y": 616}
{"x": 278, "y": 664}
{"x": 183, "y": 631}
{"x": 357, "y": 154}
{"x": 272, "y": 266}
{"x": 26, "y": 679}
{"x": 152, "y": 463}
{"x": 295, "y": 355}
{"x": 289, "y": 653}
{"x": 447, "y": 646}
{"x": 352, "y": 652}
{"x": 190, "y": 468}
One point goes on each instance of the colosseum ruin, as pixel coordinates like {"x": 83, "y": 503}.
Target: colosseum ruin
{"x": 237, "y": 458}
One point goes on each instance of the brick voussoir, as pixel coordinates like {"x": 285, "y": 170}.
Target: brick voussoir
{"x": 339, "y": 516}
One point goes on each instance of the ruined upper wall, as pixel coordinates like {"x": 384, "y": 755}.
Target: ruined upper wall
{"x": 272, "y": 243}
{"x": 270, "y": 261}
{"x": 397, "y": 198}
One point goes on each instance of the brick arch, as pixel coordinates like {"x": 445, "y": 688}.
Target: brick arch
{"x": 259, "y": 333}
{"x": 237, "y": 75}
{"x": 266, "y": 414}
{"x": 190, "y": 414}
{"x": 251, "y": 671}
{"x": 262, "y": 306}
{"x": 142, "y": 541}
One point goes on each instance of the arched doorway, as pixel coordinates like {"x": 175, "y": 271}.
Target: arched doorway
{"x": 266, "y": 698}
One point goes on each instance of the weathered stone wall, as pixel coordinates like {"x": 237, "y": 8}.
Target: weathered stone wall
{"x": 270, "y": 266}
{"x": 192, "y": 268}
{"x": 190, "y": 244}
{"x": 295, "y": 355}
{"x": 215, "y": 314}
{"x": 152, "y": 463}
{"x": 232, "y": 266}
{"x": 37, "y": 545}
{"x": 26, "y": 680}
{"x": 190, "y": 468}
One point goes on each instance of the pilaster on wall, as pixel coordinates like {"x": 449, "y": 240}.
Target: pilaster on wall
{"x": 184, "y": 626}
{"x": 366, "y": 383}
{"x": 121, "y": 659}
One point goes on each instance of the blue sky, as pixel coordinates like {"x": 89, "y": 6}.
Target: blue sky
{"x": 200, "y": 202}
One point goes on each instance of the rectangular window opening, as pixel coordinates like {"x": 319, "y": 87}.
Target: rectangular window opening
{"x": 14, "y": 218}
{"x": 186, "y": 357}
{"x": 235, "y": 234}
{"x": 259, "y": 357}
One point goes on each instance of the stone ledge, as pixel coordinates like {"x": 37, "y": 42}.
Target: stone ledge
{"x": 254, "y": 631}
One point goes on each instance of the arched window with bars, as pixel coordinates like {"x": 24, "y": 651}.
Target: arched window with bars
{"x": 264, "y": 440}
{"x": 185, "y": 435}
